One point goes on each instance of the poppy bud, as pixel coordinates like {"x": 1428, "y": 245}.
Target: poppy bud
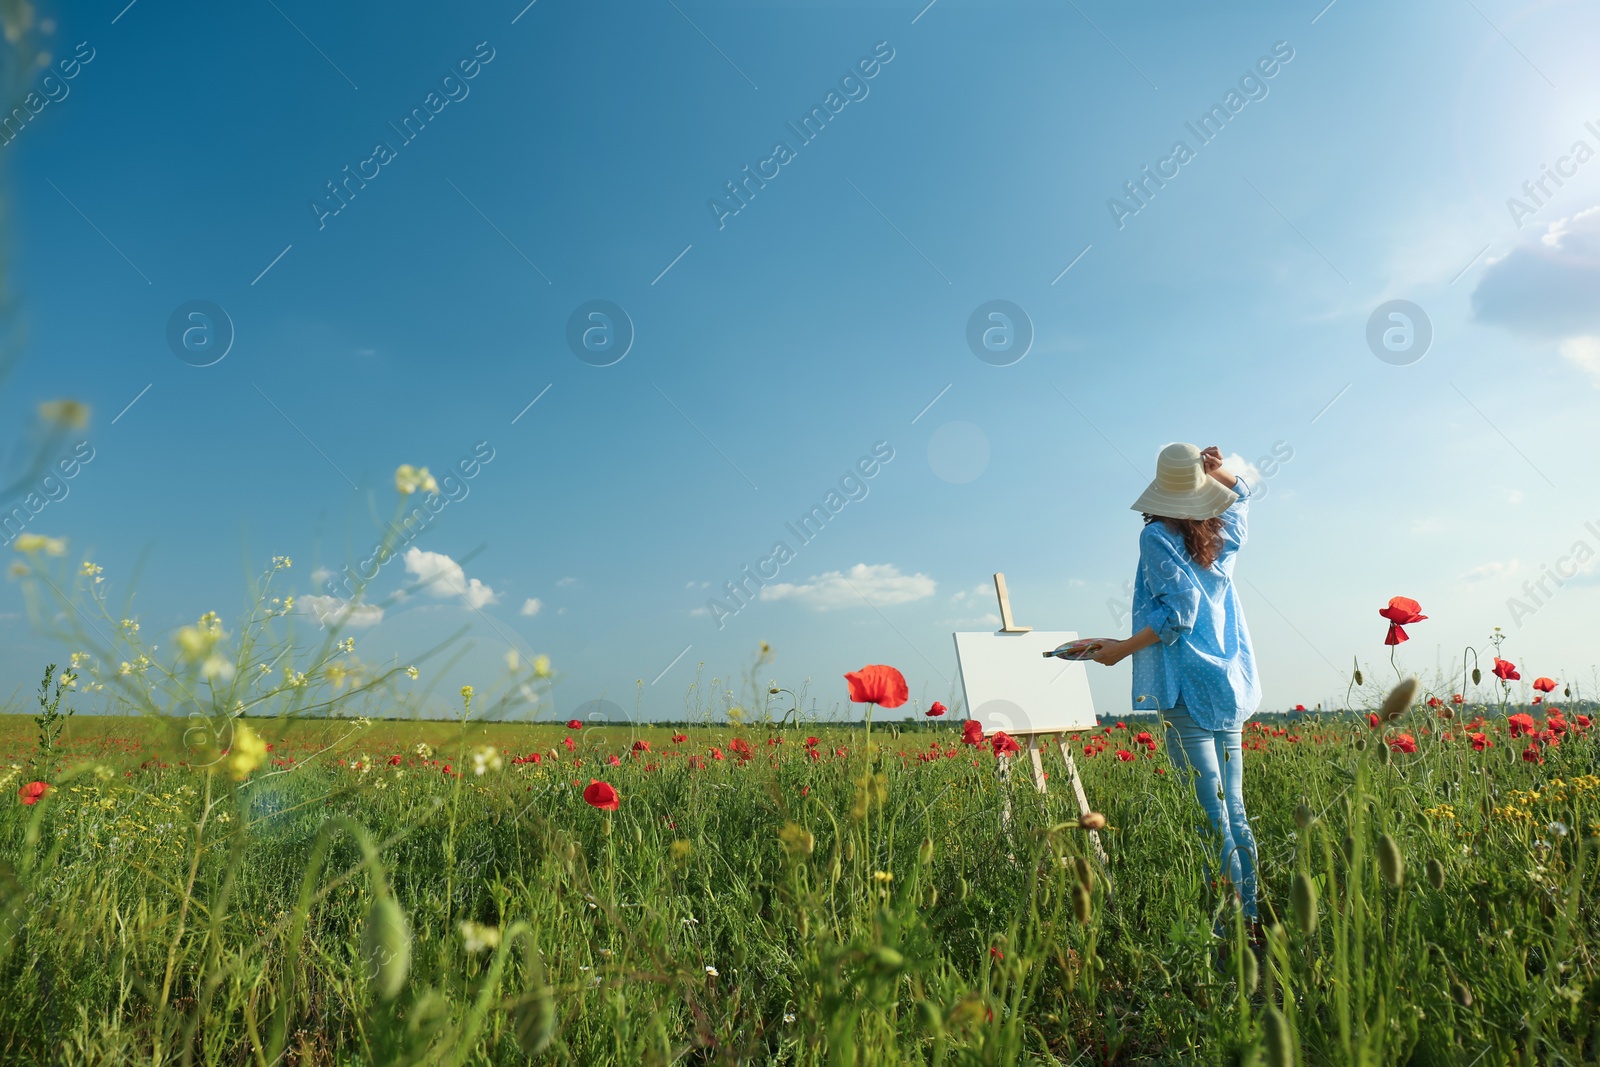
{"x": 1358, "y": 680}
{"x": 1461, "y": 994}
{"x": 1361, "y": 744}
{"x": 1304, "y": 816}
{"x": 1390, "y": 862}
{"x": 1280, "y": 1042}
{"x": 1383, "y": 754}
{"x": 1436, "y": 874}
{"x": 933, "y": 897}
{"x": 1477, "y": 676}
{"x": 850, "y": 849}
{"x": 1303, "y": 902}
{"x": 887, "y": 958}
{"x": 1252, "y": 971}
{"x": 1398, "y": 702}
{"x": 965, "y": 889}
{"x": 1080, "y": 867}
{"x": 835, "y": 870}
{"x": 932, "y": 1017}
{"x": 925, "y": 851}
{"x": 388, "y": 946}
{"x": 1567, "y": 692}
{"x": 1082, "y": 904}
{"x": 1349, "y": 849}
{"x": 1092, "y": 820}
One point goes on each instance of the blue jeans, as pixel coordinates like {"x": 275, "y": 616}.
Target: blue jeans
{"x": 1217, "y": 761}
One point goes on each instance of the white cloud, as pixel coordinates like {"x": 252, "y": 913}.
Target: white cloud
{"x": 1240, "y": 467}
{"x": 984, "y": 592}
{"x": 332, "y": 611}
{"x": 1492, "y": 569}
{"x": 1584, "y": 353}
{"x": 563, "y": 583}
{"x": 881, "y": 583}
{"x": 531, "y": 606}
{"x": 441, "y": 576}
{"x": 320, "y": 575}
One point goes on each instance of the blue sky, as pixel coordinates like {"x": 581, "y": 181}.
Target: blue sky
{"x": 775, "y": 348}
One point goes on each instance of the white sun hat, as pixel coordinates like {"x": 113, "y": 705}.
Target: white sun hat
{"x": 1182, "y": 489}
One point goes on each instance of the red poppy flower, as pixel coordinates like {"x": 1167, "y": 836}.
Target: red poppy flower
{"x": 936, "y": 710}
{"x": 716, "y": 753}
{"x": 1403, "y": 743}
{"x": 1505, "y": 670}
{"x": 574, "y": 724}
{"x": 1545, "y": 685}
{"x": 1583, "y": 722}
{"x": 33, "y": 792}
{"x": 600, "y": 795}
{"x": 1144, "y": 738}
{"x": 570, "y": 743}
{"x": 1531, "y": 753}
{"x": 1435, "y": 702}
{"x": 878, "y": 684}
{"x": 813, "y": 742}
{"x": 1124, "y": 755}
{"x": 1521, "y": 723}
{"x": 972, "y": 732}
{"x": 813, "y": 755}
{"x": 615, "y": 760}
{"x": 394, "y": 761}
{"x": 1372, "y": 719}
{"x": 996, "y": 953}
{"x": 1480, "y": 742}
{"x": 641, "y": 746}
{"x": 1458, "y": 699}
{"x": 1299, "y": 707}
{"x": 1003, "y": 743}
{"x": 679, "y": 739}
{"x": 1401, "y": 612}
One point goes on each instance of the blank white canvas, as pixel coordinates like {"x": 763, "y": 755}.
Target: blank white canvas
{"x": 1009, "y": 684}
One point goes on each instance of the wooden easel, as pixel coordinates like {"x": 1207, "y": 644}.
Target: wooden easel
{"x": 1035, "y": 740}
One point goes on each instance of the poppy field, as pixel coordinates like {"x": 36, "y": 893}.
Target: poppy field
{"x": 353, "y": 891}
{"x": 271, "y": 856}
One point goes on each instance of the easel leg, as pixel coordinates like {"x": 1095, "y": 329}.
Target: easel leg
{"x": 1004, "y": 773}
{"x": 1038, "y": 765}
{"x": 1083, "y": 805}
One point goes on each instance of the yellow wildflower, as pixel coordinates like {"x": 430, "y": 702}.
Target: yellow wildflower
{"x": 247, "y": 753}
{"x": 32, "y": 543}
{"x": 411, "y": 672}
{"x": 408, "y": 479}
{"x": 66, "y": 413}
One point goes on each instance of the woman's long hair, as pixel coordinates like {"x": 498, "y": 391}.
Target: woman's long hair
{"x": 1201, "y": 537}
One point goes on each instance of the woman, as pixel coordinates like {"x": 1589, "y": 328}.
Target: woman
{"x": 1192, "y": 659}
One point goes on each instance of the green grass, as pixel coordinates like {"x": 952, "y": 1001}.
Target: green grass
{"x": 868, "y": 908}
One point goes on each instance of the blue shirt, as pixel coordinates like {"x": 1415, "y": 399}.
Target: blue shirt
{"x": 1204, "y": 659}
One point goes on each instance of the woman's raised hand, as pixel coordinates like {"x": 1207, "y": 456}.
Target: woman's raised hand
{"x": 1211, "y": 458}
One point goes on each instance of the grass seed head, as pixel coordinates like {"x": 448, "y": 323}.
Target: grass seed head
{"x": 1085, "y": 874}
{"x": 1092, "y": 820}
{"x": 1304, "y": 816}
{"x": 1460, "y": 993}
{"x": 1082, "y": 904}
{"x": 1279, "y": 1041}
{"x": 1303, "y": 903}
{"x": 388, "y": 946}
{"x": 1390, "y": 862}
{"x": 1398, "y": 702}
{"x": 1435, "y": 874}
{"x": 1252, "y": 971}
